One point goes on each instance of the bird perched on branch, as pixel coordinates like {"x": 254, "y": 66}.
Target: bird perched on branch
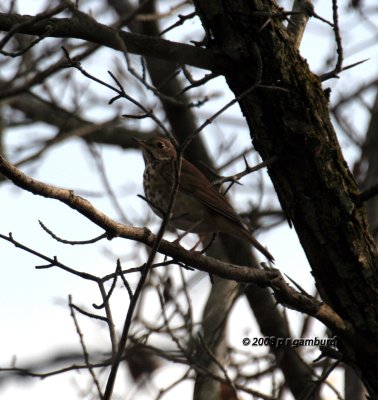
{"x": 199, "y": 207}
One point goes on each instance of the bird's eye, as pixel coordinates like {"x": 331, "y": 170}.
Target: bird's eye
{"x": 161, "y": 145}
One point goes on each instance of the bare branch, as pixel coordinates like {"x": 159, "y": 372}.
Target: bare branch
{"x": 72, "y": 242}
{"x": 81, "y": 26}
{"x": 84, "y": 347}
{"x": 248, "y": 170}
{"x": 303, "y": 9}
{"x": 267, "y": 277}
{"x": 369, "y": 193}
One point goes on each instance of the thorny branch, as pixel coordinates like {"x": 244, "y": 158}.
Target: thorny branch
{"x": 248, "y": 170}
{"x": 265, "y": 277}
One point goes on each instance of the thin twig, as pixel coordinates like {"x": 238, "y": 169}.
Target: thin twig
{"x": 102, "y": 173}
{"x": 368, "y": 193}
{"x": 220, "y": 366}
{"x": 248, "y": 170}
{"x": 71, "y": 242}
{"x": 339, "y": 47}
{"x": 145, "y": 271}
{"x": 322, "y": 379}
{"x": 181, "y": 20}
{"x": 84, "y": 348}
{"x": 237, "y": 99}
{"x": 88, "y": 314}
{"x": 109, "y": 317}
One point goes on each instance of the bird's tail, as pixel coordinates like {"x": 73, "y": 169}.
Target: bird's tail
{"x": 255, "y": 243}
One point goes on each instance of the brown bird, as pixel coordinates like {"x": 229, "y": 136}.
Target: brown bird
{"x": 199, "y": 207}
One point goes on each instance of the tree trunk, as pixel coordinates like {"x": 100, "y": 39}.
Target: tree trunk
{"x": 287, "y": 113}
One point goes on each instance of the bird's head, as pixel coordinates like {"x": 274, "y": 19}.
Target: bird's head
{"x": 157, "y": 150}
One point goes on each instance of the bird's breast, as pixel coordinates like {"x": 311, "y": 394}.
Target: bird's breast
{"x": 188, "y": 211}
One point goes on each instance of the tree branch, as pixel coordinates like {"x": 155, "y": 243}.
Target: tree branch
{"x": 267, "y": 277}
{"x": 81, "y": 26}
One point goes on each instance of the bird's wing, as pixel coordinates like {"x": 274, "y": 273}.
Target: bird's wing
{"x": 194, "y": 183}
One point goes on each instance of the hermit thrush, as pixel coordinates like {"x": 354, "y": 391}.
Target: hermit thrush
{"x": 199, "y": 207}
